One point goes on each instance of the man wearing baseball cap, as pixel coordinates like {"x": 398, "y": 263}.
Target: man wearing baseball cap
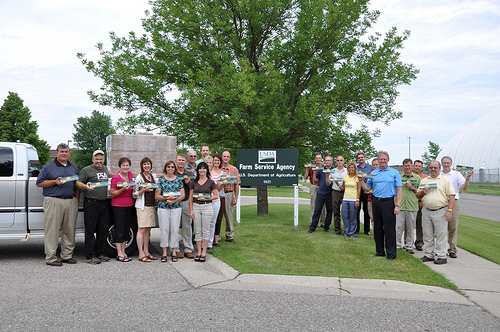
{"x": 94, "y": 183}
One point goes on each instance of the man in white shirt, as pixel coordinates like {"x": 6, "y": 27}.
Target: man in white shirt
{"x": 458, "y": 182}
{"x": 337, "y": 193}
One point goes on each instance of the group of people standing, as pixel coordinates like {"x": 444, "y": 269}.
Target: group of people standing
{"x": 336, "y": 192}
{"x": 185, "y": 194}
{"x": 396, "y": 203}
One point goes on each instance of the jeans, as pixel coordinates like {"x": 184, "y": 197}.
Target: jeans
{"x": 322, "y": 199}
{"x": 349, "y": 216}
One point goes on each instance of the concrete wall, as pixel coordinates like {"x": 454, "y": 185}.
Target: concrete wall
{"x": 159, "y": 148}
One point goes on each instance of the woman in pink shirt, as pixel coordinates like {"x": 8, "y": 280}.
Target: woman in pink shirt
{"x": 122, "y": 204}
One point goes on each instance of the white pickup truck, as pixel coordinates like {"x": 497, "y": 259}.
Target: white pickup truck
{"x": 21, "y": 201}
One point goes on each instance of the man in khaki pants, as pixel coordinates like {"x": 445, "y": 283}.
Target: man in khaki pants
{"x": 232, "y": 191}
{"x": 60, "y": 205}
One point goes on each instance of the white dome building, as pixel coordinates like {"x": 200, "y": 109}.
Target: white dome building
{"x": 478, "y": 145}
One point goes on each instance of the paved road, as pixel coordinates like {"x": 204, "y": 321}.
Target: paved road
{"x": 193, "y": 296}
{"x": 481, "y": 206}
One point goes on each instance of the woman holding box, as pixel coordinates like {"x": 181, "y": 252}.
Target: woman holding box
{"x": 145, "y": 207}
{"x": 217, "y": 173}
{"x": 202, "y": 192}
{"x": 352, "y": 190}
{"x": 216, "y": 204}
{"x": 122, "y": 204}
{"x": 169, "y": 194}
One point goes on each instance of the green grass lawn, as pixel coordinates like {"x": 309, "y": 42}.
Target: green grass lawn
{"x": 272, "y": 245}
{"x": 282, "y": 191}
{"x": 484, "y": 188}
{"x": 480, "y": 236}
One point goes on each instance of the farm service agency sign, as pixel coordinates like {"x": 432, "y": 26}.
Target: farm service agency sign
{"x": 268, "y": 167}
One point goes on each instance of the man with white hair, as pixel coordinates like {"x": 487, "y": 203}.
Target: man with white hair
{"x": 458, "y": 182}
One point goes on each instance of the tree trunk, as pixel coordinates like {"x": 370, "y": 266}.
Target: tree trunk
{"x": 262, "y": 204}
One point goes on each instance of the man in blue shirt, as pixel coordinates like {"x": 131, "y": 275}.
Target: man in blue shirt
{"x": 60, "y": 206}
{"x": 364, "y": 167}
{"x": 386, "y": 197}
{"x": 324, "y": 197}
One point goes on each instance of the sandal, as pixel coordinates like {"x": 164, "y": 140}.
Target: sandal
{"x": 197, "y": 258}
{"x": 202, "y": 259}
{"x": 163, "y": 259}
{"x": 152, "y": 257}
{"x": 145, "y": 259}
{"x": 123, "y": 259}
{"x": 174, "y": 258}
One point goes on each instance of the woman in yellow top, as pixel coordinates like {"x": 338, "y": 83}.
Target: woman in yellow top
{"x": 352, "y": 190}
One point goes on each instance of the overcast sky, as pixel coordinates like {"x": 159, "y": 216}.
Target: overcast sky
{"x": 454, "y": 43}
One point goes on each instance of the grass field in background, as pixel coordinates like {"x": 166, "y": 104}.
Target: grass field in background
{"x": 484, "y": 188}
{"x": 480, "y": 236}
{"x": 272, "y": 245}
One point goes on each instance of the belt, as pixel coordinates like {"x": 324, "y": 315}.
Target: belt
{"x": 382, "y": 199}
{"x": 207, "y": 202}
{"x": 314, "y": 184}
{"x": 339, "y": 191}
{"x": 437, "y": 208}
{"x": 228, "y": 191}
{"x": 63, "y": 197}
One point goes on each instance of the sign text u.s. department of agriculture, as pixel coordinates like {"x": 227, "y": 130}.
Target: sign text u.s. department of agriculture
{"x": 268, "y": 167}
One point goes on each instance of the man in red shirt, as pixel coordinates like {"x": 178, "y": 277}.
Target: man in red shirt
{"x": 311, "y": 175}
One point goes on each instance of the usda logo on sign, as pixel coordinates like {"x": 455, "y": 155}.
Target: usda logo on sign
{"x": 267, "y": 157}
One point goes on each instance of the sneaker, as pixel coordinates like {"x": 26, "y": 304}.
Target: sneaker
{"x": 452, "y": 254}
{"x": 427, "y": 259}
{"x": 93, "y": 260}
{"x": 103, "y": 258}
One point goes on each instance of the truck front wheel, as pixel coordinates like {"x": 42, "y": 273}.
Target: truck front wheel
{"x": 130, "y": 245}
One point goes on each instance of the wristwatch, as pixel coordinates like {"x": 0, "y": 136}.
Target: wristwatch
{"x": 450, "y": 210}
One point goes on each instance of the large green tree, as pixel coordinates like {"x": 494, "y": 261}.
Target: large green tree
{"x": 90, "y": 135}
{"x": 255, "y": 74}
{"x": 16, "y": 126}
